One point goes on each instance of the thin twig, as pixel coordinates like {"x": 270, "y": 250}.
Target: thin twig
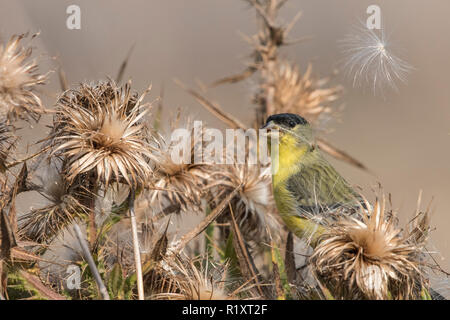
{"x": 62, "y": 79}
{"x": 253, "y": 272}
{"x": 249, "y": 71}
{"x": 87, "y": 255}
{"x": 213, "y": 108}
{"x": 124, "y": 64}
{"x": 206, "y": 222}
{"x": 137, "y": 251}
{"x": 339, "y": 154}
{"x": 37, "y": 284}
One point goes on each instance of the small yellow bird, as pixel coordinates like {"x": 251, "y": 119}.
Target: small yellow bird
{"x": 308, "y": 191}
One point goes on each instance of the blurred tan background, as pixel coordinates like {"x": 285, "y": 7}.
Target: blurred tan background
{"x": 404, "y": 138}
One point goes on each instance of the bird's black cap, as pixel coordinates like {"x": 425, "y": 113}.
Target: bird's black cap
{"x": 289, "y": 120}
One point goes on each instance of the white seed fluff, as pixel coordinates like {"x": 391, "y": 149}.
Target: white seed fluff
{"x": 369, "y": 60}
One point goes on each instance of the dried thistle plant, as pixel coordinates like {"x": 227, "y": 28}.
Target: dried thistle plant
{"x": 118, "y": 244}
{"x": 66, "y": 207}
{"x": 302, "y": 94}
{"x": 18, "y": 80}
{"x": 99, "y": 129}
{"x": 188, "y": 279}
{"x": 178, "y": 179}
{"x": 252, "y": 205}
{"x": 372, "y": 259}
{"x": 100, "y": 136}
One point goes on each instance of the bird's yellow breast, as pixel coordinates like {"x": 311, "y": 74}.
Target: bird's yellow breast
{"x": 290, "y": 157}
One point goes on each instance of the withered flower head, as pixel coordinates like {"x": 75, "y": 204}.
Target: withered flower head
{"x": 18, "y": 81}
{"x": 99, "y": 129}
{"x": 301, "y": 94}
{"x": 372, "y": 259}
{"x": 251, "y": 206}
{"x": 66, "y": 205}
{"x": 184, "y": 280}
{"x": 178, "y": 179}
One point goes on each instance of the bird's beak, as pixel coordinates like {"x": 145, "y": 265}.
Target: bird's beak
{"x": 270, "y": 128}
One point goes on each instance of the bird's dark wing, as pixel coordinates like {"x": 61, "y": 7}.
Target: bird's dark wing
{"x": 318, "y": 188}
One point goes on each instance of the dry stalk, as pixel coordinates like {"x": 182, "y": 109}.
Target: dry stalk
{"x": 214, "y": 108}
{"x": 87, "y": 255}
{"x": 245, "y": 259}
{"x": 137, "y": 252}
{"x": 206, "y": 222}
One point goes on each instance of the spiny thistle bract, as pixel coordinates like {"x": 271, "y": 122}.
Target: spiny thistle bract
{"x": 99, "y": 129}
{"x": 251, "y": 205}
{"x": 18, "y": 80}
{"x": 372, "y": 259}
{"x": 178, "y": 179}
{"x": 302, "y": 94}
{"x": 187, "y": 279}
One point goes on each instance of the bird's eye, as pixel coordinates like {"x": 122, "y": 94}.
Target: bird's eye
{"x": 291, "y": 123}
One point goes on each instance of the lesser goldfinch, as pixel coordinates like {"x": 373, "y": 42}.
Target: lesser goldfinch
{"x": 306, "y": 188}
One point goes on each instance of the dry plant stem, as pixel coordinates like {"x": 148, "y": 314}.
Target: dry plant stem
{"x": 269, "y": 42}
{"x": 205, "y": 223}
{"x": 137, "y": 251}
{"x": 250, "y": 265}
{"x": 3, "y": 280}
{"x": 214, "y": 108}
{"x": 339, "y": 154}
{"x": 124, "y": 64}
{"x": 19, "y": 186}
{"x": 62, "y": 79}
{"x": 289, "y": 258}
{"x": 40, "y": 287}
{"x": 15, "y": 163}
{"x": 92, "y": 229}
{"x": 92, "y": 224}
{"x": 91, "y": 263}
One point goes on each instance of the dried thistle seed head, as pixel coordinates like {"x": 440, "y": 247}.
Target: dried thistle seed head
{"x": 178, "y": 179}
{"x": 66, "y": 205}
{"x": 99, "y": 129}
{"x": 251, "y": 207}
{"x": 18, "y": 80}
{"x": 302, "y": 94}
{"x": 182, "y": 279}
{"x": 370, "y": 259}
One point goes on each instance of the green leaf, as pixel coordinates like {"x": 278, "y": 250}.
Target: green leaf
{"x": 229, "y": 255}
{"x": 130, "y": 284}
{"x": 280, "y": 270}
{"x": 19, "y": 288}
{"x": 116, "y": 282}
